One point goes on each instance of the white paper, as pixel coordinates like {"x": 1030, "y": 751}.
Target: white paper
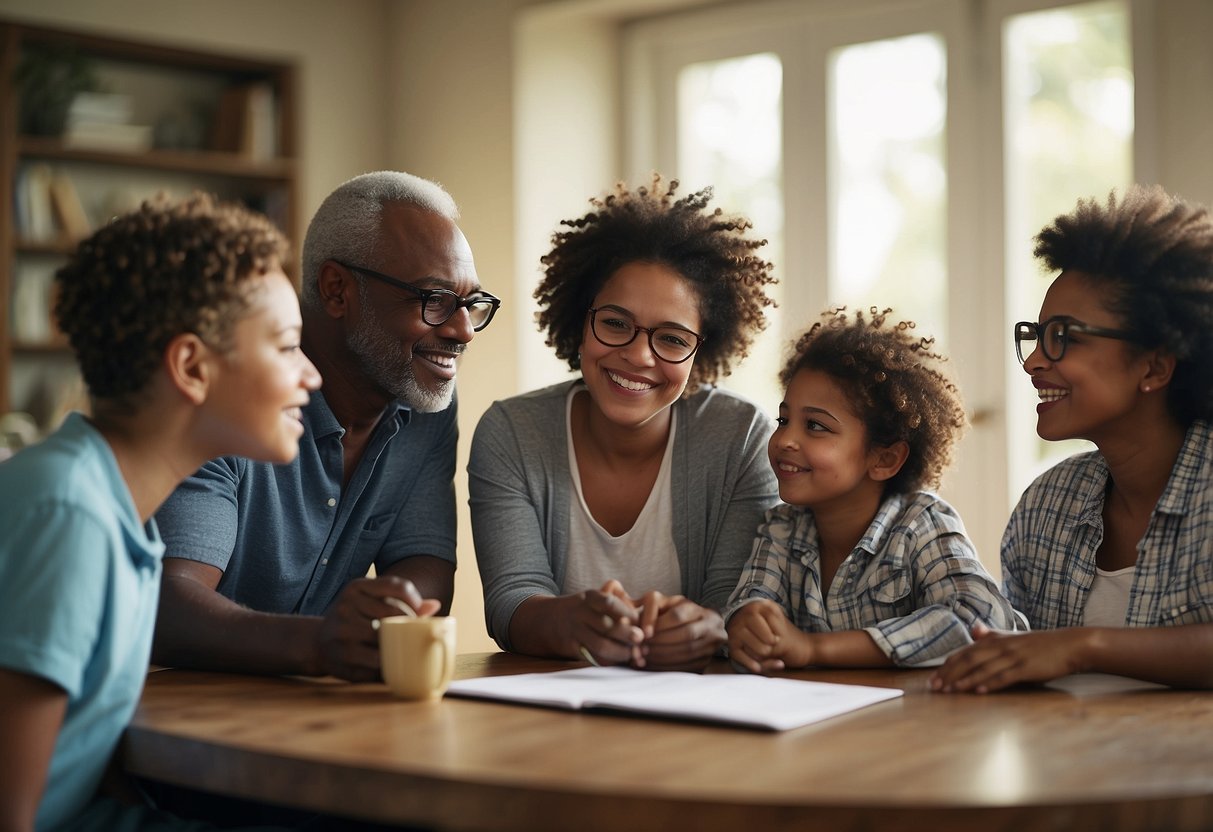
{"x": 754, "y": 701}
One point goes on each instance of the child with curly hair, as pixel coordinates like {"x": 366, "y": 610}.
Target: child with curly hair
{"x": 186, "y": 331}
{"x": 1108, "y": 553}
{"x": 611, "y": 513}
{"x": 859, "y": 566}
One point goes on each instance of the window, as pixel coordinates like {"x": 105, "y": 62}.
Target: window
{"x": 899, "y": 155}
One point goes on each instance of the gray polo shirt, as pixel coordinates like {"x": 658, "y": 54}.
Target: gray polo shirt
{"x": 288, "y": 539}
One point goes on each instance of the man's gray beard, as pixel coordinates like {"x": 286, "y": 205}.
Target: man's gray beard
{"x": 379, "y": 357}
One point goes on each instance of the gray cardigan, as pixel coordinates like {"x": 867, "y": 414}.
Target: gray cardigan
{"x": 519, "y": 486}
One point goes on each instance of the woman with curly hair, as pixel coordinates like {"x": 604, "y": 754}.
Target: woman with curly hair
{"x": 612, "y": 513}
{"x": 861, "y": 567}
{"x": 187, "y": 334}
{"x": 1109, "y": 553}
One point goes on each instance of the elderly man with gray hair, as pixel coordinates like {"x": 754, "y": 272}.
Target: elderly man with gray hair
{"x": 265, "y": 566}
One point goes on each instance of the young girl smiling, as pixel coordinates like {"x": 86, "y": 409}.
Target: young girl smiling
{"x": 859, "y": 566}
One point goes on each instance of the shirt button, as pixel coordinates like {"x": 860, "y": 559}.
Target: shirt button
{"x": 332, "y": 502}
{"x": 324, "y": 562}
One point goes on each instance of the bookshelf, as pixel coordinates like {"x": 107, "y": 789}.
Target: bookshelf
{"x": 89, "y": 127}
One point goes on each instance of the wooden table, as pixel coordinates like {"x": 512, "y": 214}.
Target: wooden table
{"x": 1025, "y": 760}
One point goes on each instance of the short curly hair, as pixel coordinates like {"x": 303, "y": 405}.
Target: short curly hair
{"x": 1152, "y": 253}
{"x": 165, "y": 268}
{"x": 895, "y": 384}
{"x": 649, "y": 225}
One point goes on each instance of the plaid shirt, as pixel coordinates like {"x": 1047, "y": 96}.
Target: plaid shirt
{"x": 1048, "y": 551}
{"x": 913, "y": 582}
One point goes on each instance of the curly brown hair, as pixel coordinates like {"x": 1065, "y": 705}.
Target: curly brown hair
{"x": 149, "y": 275}
{"x": 706, "y": 247}
{"x": 1152, "y": 255}
{"x": 895, "y": 384}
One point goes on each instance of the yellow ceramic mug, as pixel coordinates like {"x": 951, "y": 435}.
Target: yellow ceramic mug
{"x": 417, "y": 655}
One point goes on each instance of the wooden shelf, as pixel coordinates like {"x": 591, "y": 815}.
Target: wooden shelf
{"x": 162, "y": 82}
{"x": 41, "y": 347}
{"x": 201, "y": 162}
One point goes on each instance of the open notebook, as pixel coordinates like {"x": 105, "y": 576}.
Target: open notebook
{"x": 734, "y": 699}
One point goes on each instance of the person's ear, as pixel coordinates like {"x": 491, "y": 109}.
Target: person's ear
{"x": 1160, "y": 366}
{"x": 335, "y": 283}
{"x": 885, "y": 462}
{"x": 187, "y": 360}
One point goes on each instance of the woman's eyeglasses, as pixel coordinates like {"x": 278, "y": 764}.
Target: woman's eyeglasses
{"x": 439, "y": 305}
{"x": 1053, "y": 336}
{"x": 615, "y": 328}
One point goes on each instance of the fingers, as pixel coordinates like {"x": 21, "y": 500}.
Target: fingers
{"x": 601, "y": 625}
{"x": 987, "y": 665}
{"x": 392, "y": 590}
{"x": 980, "y": 631}
{"x": 349, "y": 645}
{"x": 752, "y": 642}
{"x": 651, "y": 608}
{"x": 613, "y": 587}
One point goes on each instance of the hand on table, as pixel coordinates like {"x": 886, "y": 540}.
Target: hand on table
{"x": 998, "y": 659}
{"x": 601, "y": 626}
{"x": 763, "y": 640}
{"x": 678, "y": 633}
{"x": 349, "y": 644}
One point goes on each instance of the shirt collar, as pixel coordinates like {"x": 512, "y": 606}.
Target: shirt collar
{"x": 319, "y": 416}
{"x": 1190, "y": 471}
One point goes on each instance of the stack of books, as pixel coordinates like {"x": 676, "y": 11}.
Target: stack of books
{"x": 102, "y": 121}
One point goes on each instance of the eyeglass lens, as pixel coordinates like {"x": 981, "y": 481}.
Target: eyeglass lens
{"x": 1053, "y": 334}
{"x": 670, "y": 344}
{"x": 440, "y": 304}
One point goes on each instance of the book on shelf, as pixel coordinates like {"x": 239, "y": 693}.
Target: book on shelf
{"x": 102, "y": 121}
{"x": 101, "y": 107}
{"x": 68, "y": 208}
{"x": 32, "y": 198}
{"x": 246, "y": 121}
{"x": 31, "y": 303}
{"x": 100, "y": 135}
{"x": 773, "y": 704}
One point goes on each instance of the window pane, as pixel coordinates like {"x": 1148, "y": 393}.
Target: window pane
{"x": 1068, "y": 99}
{"x": 888, "y": 109}
{"x": 730, "y": 137}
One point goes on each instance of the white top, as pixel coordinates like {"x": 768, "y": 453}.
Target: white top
{"x": 642, "y": 558}
{"x": 1108, "y": 600}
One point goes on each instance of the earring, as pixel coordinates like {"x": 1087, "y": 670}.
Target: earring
{"x": 1145, "y": 388}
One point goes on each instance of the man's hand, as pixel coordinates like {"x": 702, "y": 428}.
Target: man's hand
{"x": 349, "y": 644}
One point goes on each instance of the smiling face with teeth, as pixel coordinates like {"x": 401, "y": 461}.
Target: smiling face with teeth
{"x": 629, "y": 385}
{"x": 1096, "y": 385}
{"x": 820, "y": 450}
{"x": 402, "y": 355}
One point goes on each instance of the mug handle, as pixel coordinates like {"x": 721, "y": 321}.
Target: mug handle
{"x": 448, "y": 663}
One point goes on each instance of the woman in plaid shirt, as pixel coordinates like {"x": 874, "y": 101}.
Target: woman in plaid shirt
{"x": 860, "y": 566}
{"x": 1110, "y": 553}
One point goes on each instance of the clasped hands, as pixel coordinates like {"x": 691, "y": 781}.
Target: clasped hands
{"x": 654, "y": 632}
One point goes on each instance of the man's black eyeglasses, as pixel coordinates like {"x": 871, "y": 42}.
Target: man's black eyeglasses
{"x": 614, "y": 328}
{"x": 438, "y": 305}
{"x": 1053, "y": 336}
